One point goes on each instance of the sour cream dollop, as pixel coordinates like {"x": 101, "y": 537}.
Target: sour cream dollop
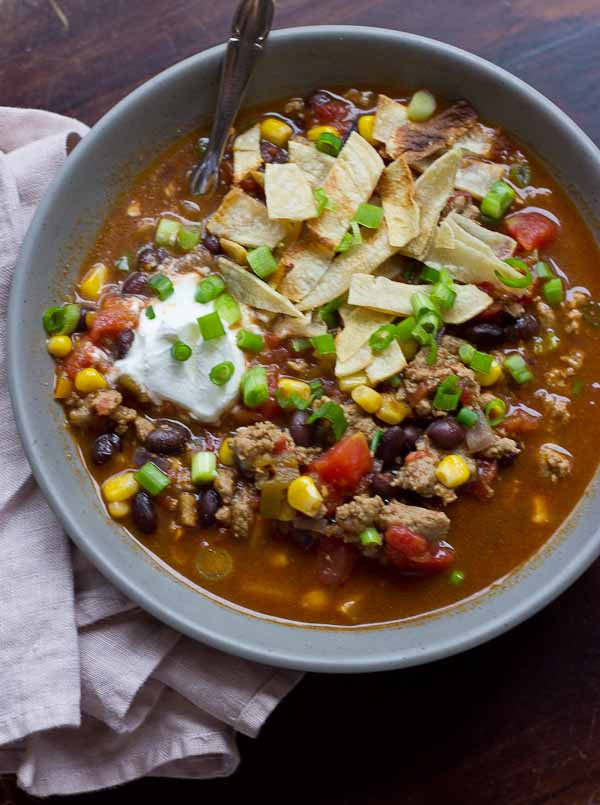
{"x": 187, "y": 383}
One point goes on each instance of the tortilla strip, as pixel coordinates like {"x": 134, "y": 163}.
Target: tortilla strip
{"x": 288, "y": 193}
{"x": 368, "y": 256}
{"x": 306, "y": 263}
{"x": 359, "y": 326}
{"x": 246, "y": 153}
{"x": 478, "y": 140}
{"x": 379, "y": 293}
{"x": 389, "y": 116}
{"x": 306, "y": 327}
{"x": 503, "y": 246}
{"x": 315, "y": 164}
{"x": 244, "y": 220}
{"x": 476, "y": 177}
{"x": 387, "y": 363}
{"x": 432, "y": 191}
{"x": 418, "y": 140}
{"x": 401, "y": 211}
{"x": 355, "y": 363}
{"x": 250, "y": 290}
{"x": 350, "y": 182}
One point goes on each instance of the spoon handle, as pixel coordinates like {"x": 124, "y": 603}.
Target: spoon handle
{"x": 249, "y": 31}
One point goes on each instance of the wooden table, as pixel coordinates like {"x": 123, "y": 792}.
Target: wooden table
{"x": 515, "y": 721}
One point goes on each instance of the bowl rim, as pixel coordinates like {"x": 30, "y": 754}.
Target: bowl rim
{"x": 302, "y": 655}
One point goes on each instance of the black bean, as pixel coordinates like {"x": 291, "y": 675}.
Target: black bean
{"x": 141, "y": 456}
{"x": 123, "y": 342}
{"x": 150, "y": 257}
{"x": 524, "y": 327}
{"x": 212, "y": 243}
{"x": 484, "y": 334}
{"x": 144, "y": 513}
{"x": 300, "y": 431}
{"x": 104, "y": 447}
{"x": 412, "y": 433}
{"x": 208, "y": 504}
{"x": 381, "y": 484}
{"x": 446, "y": 432}
{"x": 272, "y": 153}
{"x": 81, "y": 324}
{"x": 392, "y": 445}
{"x": 167, "y": 438}
{"x": 323, "y": 435}
{"x": 136, "y": 283}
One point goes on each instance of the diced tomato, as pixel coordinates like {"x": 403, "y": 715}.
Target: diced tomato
{"x": 324, "y": 110}
{"x": 531, "y": 230}
{"x": 415, "y": 455}
{"x": 115, "y": 315}
{"x": 344, "y": 464}
{"x": 80, "y": 358}
{"x": 467, "y": 395}
{"x": 272, "y": 340}
{"x": 281, "y": 444}
{"x": 409, "y": 551}
{"x": 335, "y": 561}
{"x": 520, "y": 422}
{"x": 418, "y": 394}
{"x": 482, "y": 486}
{"x": 271, "y": 407}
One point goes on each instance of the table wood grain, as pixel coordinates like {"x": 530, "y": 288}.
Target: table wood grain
{"x": 514, "y": 722}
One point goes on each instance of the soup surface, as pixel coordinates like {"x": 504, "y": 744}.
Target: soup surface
{"x": 356, "y": 384}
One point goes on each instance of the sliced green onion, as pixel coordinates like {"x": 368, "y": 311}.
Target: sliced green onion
{"x": 443, "y": 295}
{"x": 255, "y": 387}
{"x": 300, "y": 344}
{"x": 328, "y": 313}
{"x": 150, "y": 314}
{"x": 61, "y": 320}
{"x": 210, "y": 288}
{"x": 122, "y": 264}
{"x": 421, "y": 303}
{"x": 166, "y": 232}
{"x": 395, "y": 381}
{"x": 262, "y": 262}
{"x": 369, "y": 537}
{"x": 71, "y": 317}
{"x": 520, "y": 174}
{"x": 495, "y": 411}
{"x": 517, "y": 368}
{"x": 404, "y": 329}
{"x": 481, "y": 362}
{"x": 523, "y": 281}
{"x": 376, "y": 440}
{"x": 553, "y": 291}
{"x": 497, "y": 200}
{"x": 456, "y": 578}
{"x": 466, "y": 352}
{"x": 430, "y": 321}
{"x": 430, "y": 274}
{"x": 161, "y": 285}
{"x": 351, "y": 238}
{"x": 422, "y": 105}
{"x": 577, "y": 388}
{"x": 317, "y": 389}
{"x": 221, "y": 373}
{"x": 228, "y": 309}
{"x": 421, "y": 335}
{"x": 324, "y": 345}
{"x": 369, "y": 215}
{"x": 543, "y": 271}
{"x": 433, "y": 351}
{"x": 329, "y": 143}
{"x": 211, "y": 326}
{"x": 322, "y": 201}
{"x": 382, "y": 337}
{"x": 467, "y": 417}
{"x": 204, "y": 467}
{"x": 250, "y": 342}
{"x": 334, "y": 414}
{"x": 152, "y": 479}
{"x": 447, "y": 395}
{"x": 188, "y": 238}
{"x": 180, "y": 351}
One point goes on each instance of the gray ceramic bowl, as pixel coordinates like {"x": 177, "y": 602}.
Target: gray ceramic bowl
{"x": 63, "y": 229}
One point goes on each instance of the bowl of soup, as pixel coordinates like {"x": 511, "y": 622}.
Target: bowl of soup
{"x": 341, "y": 414}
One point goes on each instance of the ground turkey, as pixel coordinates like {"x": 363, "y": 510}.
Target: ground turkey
{"x": 554, "y": 464}
{"x": 103, "y": 403}
{"x": 239, "y": 502}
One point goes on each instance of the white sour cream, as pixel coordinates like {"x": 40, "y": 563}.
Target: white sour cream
{"x": 150, "y": 363}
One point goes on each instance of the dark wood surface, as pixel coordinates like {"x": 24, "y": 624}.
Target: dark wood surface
{"x": 514, "y": 722}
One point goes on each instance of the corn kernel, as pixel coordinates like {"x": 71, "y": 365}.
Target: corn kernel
{"x": 290, "y": 385}
{"x": 540, "y": 511}
{"x": 120, "y": 487}
{"x": 59, "y": 346}
{"x": 352, "y": 381}
{"x": 286, "y": 513}
{"x": 368, "y": 399}
{"x": 226, "y": 453}
{"x": 63, "y": 388}
{"x": 410, "y": 348}
{"x": 89, "y": 379}
{"x": 452, "y": 471}
{"x": 303, "y": 495}
{"x": 118, "y": 509}
{"x": 393, "y": 411}
{"x": 316, "y": 131}
{"x": 232, "y": 249}
{"x": 276, "y": 131}
{"x": 315, "y": 599}
{"x": 93, "y": 282}
{"x": 90, "y": 318}
{"x": 493, "y": 376}
{"x": 366, "y": 124}
{"x": 279, "y": 559}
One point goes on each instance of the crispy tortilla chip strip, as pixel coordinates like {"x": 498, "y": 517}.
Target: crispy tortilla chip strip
{"x": 247, "y": 288}
{"x": 306, "y": 327}
{"x": 288, "y": 193}
{"x": 389, "y": 116}
{"x": 478, "y": 140}
{"x": 379, "y": 293}
{"x": 432, "y": 191}
{"x": 402, "y": 214}
{"x": 503, "y": 246}
{"x": 356, "y": 363}
{"x": 246, "y": 153}
{"x": 359, "y": 326}
{"x": 306, "y": 263}
{"x": 388, "y": 363}
{"x": 476, "y": 177}
{"x": 418, "y": 140}
{"x": 315, "y": 164}
{"x": 245, "y": 220}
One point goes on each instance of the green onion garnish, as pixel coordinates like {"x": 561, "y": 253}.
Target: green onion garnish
{"x": 543, "y": 271}
{"x": 422, "y": 303}
{"x": 433, "y": 351}
{"x": 61, "y": 320}
{"x": 421, "y": 106}
{"x": 497, "y": 200}
{"x": 122, "y": 264}
{"x": 334, "y": 414}
{"x": 250, "y": 342}
{"x": 369, "y": 537}
{"x": 553, "y": 291}
{"x": 447, "y": 395}
{"x": 151, "y": 478}
{"x": 321, "y": 200}
{"x": 430, "y": 274}
{"x": 467, "y": 417}
{"x": 495, "y": 411}
{"x": 255, "y": 388}
{"x": 150, "y": 314}
{"x": 300, "y": 344}
{"x": 481, "y": 362}
{"x": 376, "y": 440}
{"x": 228, "y": 309}
{"x": 161, "y": 285}
{"x": 329, "y": 143}
{"x": 520, "y": 174}
{"x": 369, "y": 215}
{"x": 382, "y": 337}
{"x": 466, "y": 352}
{"x": 351, "y": 238}
{"x": 188, "y": 238}
{"x": 421, "y": 335}
{"x": 324, "y": 345}
{"x": 517, "y": 368}
{"x": 395, "y": 381}
{"x": 262, "y": 262}
{"x": 404, "y": 329}
{"x": 443, "y": 295}
{"x": 456, "y": 578}
{"x": 210, "y": 288}
{"x": 221, "y": 373}
{"x": 211, "y": 326}
{"x": 180, "y": 351}
{"x": 204, "y": 467}
{"x": 166, "y": 232}
{"x": 328, "y": 313}
{"x": 523, "y": 281}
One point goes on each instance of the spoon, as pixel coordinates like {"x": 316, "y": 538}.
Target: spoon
{"x": 249, "y": 32}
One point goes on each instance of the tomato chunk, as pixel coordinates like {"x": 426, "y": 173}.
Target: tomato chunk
{"x": 520, "y": 421}
{"x": 531, "y": 230}
{"x": 412, "y": 552}
{"x": 344, "y": 464}
{"x": 81, "y": 357}
{"x": 115, "y": 315}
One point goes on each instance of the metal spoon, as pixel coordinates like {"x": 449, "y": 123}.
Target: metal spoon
{"x": 249, "y": 31}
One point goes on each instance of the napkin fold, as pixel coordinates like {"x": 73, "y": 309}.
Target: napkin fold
{"x": 94, "y": 691}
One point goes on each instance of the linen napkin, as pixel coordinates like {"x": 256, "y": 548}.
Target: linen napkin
{"x": 94, "y": 692}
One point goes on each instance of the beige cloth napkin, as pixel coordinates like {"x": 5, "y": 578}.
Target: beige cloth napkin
{"x": 93, "y": 692}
